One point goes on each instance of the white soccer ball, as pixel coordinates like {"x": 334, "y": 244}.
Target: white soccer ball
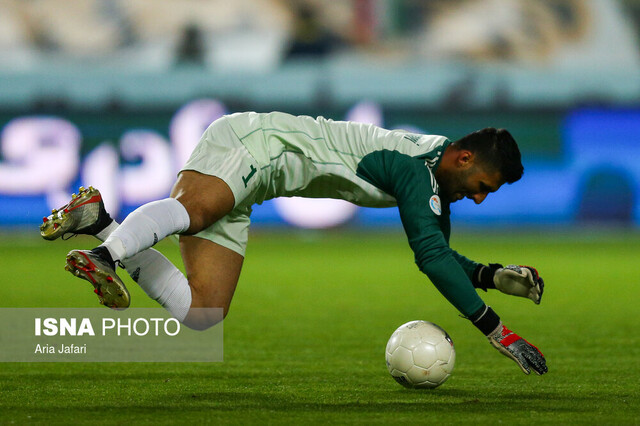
{"x": 420, "y": 355}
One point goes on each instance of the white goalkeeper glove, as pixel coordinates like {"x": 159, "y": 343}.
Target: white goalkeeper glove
{"x": 523, "y": 281}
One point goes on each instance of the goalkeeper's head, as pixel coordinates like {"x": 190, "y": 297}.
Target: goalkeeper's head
{"x": 478, "y": 164}
{"x": 494, "y": 150}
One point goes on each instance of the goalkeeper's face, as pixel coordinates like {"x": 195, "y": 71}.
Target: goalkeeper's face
{"x": 473, "y": 182}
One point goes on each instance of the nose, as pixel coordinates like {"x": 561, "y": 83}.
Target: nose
{"x": 479, "y": 197}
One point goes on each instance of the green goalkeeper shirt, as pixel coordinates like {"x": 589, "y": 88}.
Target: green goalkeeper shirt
{"x": 425, "y": 218}
{"x": 368, "y": 166}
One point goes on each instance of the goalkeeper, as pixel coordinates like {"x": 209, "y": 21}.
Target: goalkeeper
{"x": 246, "y": 158}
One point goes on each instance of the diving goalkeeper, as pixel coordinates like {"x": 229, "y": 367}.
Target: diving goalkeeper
{"x": 246, "y": 158}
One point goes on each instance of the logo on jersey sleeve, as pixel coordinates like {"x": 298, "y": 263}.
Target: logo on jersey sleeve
{"x": 434, "y": 203}
{"x": 413, "y": 138}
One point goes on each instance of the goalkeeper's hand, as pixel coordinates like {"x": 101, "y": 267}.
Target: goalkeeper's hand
{"x": 507, "y": 342}
{"x": 523, "y": 281}
{"x": 515, "y": 347}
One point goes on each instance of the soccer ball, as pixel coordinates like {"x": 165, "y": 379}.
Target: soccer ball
{"x": 420, "y": 355}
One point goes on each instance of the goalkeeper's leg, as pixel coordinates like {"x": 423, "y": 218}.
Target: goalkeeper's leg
{"x": 156, "y": 275}
{"x": 213, "y": 270}
{"x": 197, "y": 201}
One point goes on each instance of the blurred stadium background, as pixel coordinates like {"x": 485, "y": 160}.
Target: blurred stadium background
{"x": 116, "y": 93}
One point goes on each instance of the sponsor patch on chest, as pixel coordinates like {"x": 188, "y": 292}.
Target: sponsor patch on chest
{"x": 434, "y": 203}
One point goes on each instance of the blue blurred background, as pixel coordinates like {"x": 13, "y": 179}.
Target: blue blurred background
{"x": 115, "y": 94}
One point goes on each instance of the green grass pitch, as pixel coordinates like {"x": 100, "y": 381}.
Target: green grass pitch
{"x": 305, "y": 338}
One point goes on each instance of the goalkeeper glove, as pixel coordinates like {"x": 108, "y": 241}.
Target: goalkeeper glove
{"x": 523, "y": 281}
{"x": 509, "y": 343}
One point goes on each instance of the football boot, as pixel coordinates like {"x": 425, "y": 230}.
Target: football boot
{"x": 91, "y": 265}
{"x": 84, "y": 214}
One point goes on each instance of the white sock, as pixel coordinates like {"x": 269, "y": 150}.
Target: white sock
{"x": 104, "y": 234}
{"x": 146, "y": 226}
{"x": 157, "y": 276}
{"x": 161, "y": 280}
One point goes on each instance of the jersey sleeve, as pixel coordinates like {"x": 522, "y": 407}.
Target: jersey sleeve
{"x": 410, "y": 182}
{"x": 467, "y": 264}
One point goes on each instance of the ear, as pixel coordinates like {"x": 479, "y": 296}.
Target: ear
{"x": 464, "y": 159}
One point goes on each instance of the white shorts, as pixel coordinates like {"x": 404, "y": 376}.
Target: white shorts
{"x": 220, "y": 153}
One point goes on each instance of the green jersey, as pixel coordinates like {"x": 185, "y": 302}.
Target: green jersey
{"x": 317, "y": 158}
{"x": 426, "y": 222}
{"x": 368, "y": 166}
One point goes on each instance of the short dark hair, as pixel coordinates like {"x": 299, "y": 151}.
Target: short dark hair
{"x": 495, "y": 149}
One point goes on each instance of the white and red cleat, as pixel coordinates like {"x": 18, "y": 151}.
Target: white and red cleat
{"x": 107, "y": 285}
{"x": 84, "y": 214}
